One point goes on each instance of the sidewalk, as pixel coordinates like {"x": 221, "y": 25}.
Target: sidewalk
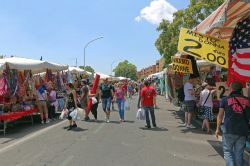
{"x": 217, "y": 145}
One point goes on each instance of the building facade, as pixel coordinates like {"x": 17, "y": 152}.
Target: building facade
{"x": 157, "y": 67}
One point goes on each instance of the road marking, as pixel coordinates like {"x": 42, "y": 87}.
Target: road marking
{"x": 99, "y": 128}
{"x": 30, "y": 136}
{"x": 67, "y": 161}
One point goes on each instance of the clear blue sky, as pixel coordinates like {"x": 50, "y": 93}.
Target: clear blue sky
{"x": 59, "y": 29}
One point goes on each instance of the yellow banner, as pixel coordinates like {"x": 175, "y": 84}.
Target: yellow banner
{"x": 182, "y": 65}
{"x": 204, "y": 47}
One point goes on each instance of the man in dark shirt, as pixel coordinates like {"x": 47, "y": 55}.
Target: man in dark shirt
{"x": 106, "y": 91}
{"x": 236, "y": 113}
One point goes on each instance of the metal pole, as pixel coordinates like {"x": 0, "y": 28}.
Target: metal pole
{"x": 87, "y": 46}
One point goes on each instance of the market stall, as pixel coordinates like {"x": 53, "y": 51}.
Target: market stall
{"x": 18, "y": 86}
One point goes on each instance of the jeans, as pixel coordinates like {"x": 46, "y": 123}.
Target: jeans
{"x": 106, "y": 103}
{"x": 233, "y": 147}
{"x": 120, "y": 104}
{"x": 150, "y": 109}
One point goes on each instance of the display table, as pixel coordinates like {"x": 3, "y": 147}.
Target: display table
{"x": 7, "y": 117}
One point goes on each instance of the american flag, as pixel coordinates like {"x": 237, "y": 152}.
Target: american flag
{"x": 239, "y": 59}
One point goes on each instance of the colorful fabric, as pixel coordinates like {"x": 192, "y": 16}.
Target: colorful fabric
{"x": 239, "y": 59}
{"x": 3, "y": 86}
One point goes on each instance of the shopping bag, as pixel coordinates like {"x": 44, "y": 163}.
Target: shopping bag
{"x": 140, "y": 115}
{"x": 64, "y": 114}
{"x": 127, "y": 105}
{"x": 77, "y": 114}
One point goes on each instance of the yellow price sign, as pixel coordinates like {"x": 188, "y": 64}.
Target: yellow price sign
{"x": 182, "y": 65}
{"x": 204, "y": 47}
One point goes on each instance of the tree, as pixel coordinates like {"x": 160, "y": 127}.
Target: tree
{"x": 126, "y": 69}
{"x": 87, "y": 68}
{"x": 190, "y": 17}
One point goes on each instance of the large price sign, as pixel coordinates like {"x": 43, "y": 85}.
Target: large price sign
{"x": 182, "y": 65}
{"x": 204, "y": 47}
{"x": 223, "y": 90}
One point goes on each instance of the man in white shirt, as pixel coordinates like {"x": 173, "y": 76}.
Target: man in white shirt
{"x": 189, "y": 101}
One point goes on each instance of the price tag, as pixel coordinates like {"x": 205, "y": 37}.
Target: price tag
{"x": 182, "y": 65}
{"x": 222, "y": 90}
{"x": 204, "y": 47}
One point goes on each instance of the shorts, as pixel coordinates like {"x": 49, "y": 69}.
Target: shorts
{"x": 207, "y": 113}
{"x": 106, "y": 103}
{"x": 42, "y": 106}
{"x": 189, "y": 106}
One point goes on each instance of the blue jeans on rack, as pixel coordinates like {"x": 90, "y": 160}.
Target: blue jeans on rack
{"x": 233, "y": 147}
{"x": 121, "y": 105}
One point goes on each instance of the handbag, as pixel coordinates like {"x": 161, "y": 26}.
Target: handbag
{"x": 140, "y": 115}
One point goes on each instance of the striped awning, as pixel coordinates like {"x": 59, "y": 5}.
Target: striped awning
{"x": 222, "y": 21}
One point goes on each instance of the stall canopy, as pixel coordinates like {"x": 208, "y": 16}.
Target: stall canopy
{"x": 222, "y": 21}
{"x": 30, "y": 64}
{"x": 78, "y": 70}
{"x": 102, "y": 76}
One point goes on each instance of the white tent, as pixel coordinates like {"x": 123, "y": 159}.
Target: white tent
{"x": 102, "y": 76}
{"x": 123, "y": 78}
{"x": 36, "y": 66}
{"x": 78, "y": 70}
{"x": 158, "y": 75}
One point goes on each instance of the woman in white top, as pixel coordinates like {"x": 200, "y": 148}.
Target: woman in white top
{"x": 206, "y": 103}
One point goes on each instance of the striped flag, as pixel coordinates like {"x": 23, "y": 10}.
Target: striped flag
{"x": 239, "y": 60}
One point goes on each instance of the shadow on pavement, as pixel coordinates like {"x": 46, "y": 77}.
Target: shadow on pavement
{"x": 154, "y": 129}
{"x": 217, "y": 146}
{"x": 78, "y": 129}
{"x": 129, "y": 121}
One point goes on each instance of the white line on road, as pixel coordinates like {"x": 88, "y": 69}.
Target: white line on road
{"x": 29, "y": 137}
{"x": 99, "y": 128}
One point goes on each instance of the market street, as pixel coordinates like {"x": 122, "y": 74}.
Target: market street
{"x": 114, "y": 144}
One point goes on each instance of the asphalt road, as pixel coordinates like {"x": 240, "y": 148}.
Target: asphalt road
{"x": 113, "y": 144}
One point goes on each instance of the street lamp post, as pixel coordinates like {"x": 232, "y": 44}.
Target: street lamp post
{"x": 87, "y": 46}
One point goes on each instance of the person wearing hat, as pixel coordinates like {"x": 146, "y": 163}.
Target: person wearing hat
{"x": 206, "y": 103}
{"x": 233, "y": 119}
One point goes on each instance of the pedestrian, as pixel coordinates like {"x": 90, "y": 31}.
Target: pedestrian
{"x": 235, "y": 110}
{"x": 71, "y": 104}
{"x": 148, "y": 99}
{"x": 106, "y": 91}
{"x": 42, "y": 99}
{"x": 140, "y": 86}
{"x": 52, "y": 103}
{"x": 120, "y": 97}
{"x": 95, "y": 98}
{"x": 189, "y": 101}
{"x": 206, "y": 103}
{"x": 84, "y": 98}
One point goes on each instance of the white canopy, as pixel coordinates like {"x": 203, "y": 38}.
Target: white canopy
{"x": 159, "y": 74}
{"x": 102, "y": 76}
{"x": 36, "y": 66}
{"x": 78, "y": 70}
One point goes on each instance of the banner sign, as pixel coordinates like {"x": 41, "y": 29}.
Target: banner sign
{"x": 182, "y": 65}
{"x": 223, "y": 90}
{"x": 204, "y": 47}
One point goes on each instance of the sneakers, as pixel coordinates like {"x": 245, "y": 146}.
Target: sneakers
{"x": 42, "y": 122}
{"x": 47, "y": 121}
{"x": 149, "y": 127}
{"x": 107, "y": 121}
{"x": 190, "y": 126}
{"x": 184, "y": 125}
{"x": 86, "y": 118}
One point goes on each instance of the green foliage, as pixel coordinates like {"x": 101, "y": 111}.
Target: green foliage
{"x": 87, "y": 68}
{"x": 126, "y": 69}
{"x": 190, "y": 17}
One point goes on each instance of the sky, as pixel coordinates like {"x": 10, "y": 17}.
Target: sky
{"x": 58, "y": 30}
